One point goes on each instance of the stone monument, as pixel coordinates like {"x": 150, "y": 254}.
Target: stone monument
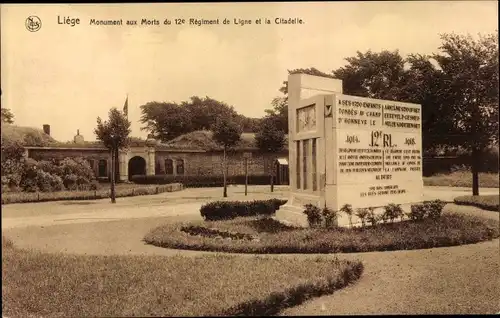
{"x": 349, "y": 150}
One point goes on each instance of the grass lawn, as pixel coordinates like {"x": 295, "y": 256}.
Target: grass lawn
{"x": 40, "y": 284}
{"x": 269, "y": 236}
{"x": 103, "y": 192}
{"x": 462, "y": 179}
{"x": 485, "y": 202}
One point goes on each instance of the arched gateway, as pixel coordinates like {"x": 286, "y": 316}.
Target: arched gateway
{"x": 136, "y": 166}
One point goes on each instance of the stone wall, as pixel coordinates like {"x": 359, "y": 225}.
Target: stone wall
{"x": 210, "y": 163}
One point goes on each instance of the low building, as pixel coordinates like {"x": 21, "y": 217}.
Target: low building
{"x": 193, "y": 154}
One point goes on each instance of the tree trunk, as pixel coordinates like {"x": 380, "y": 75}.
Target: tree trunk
{"x": 246, "y": 175}
{"x": 272, "y": 174}
{"x": 475, "y": 171}
{"x": 113, "y": 194}
{"x": 224, "y": 173}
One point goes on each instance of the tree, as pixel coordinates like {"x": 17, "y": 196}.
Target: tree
{"x": 270, "y": 139}
{"x": 165, "y": 121}
{"x": 204, "y": 112}
{"x": 470, "y": 75}
{"x": 114, "y": 134}
{"x": 226, "y": 132}
{"x": 7, "y": 116}
{"x": 373, "y": 75}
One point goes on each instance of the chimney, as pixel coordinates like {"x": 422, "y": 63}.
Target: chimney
{"x": 78, "y": 138}
{"x": 46, "y": 129}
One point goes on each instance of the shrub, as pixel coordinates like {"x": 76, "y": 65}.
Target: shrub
{"x": 227, "y": 210}
{"x": 418, "y": 212}
{"x": 393, "y": 211}
{"x": 362, "y": 214}
{"x": 314, "y": 216}
{"x": 347, "y": 209}
{"x": 485, "y": 202}
{"x": 330, "y": 217}
{"x": 434, "y": 208}
{"x": 372, "y": 217}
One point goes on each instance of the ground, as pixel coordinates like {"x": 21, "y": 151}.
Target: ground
{"x": 461, "y": 279}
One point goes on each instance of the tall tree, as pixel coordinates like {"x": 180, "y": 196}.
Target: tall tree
{"x": 114, "y": 133}
{"x": 7, "y": 116}
{"x": 165, "y": 121}
{"x": 226, "y": 133}
{"x": 270, "y": 139}
{"x": 470, "y": 74}
{"x": 373, "y": 75}
{"x": 205, "y": 111}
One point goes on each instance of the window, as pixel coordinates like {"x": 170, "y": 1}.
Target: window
{"x": 179, "y": 165}
{"x": 91, "y": 163}
{"x": 103, "y": 168}
{"x": 169, "y": 166}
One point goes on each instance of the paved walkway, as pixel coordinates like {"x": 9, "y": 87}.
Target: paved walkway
{"x": 453, "y": 280}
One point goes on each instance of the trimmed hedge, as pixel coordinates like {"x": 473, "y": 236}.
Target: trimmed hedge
{"x": 202, "y": 181}
{"x": 227, "y": 210}
{"x": 27, "y": 197}
{"x": 485, "y": 202}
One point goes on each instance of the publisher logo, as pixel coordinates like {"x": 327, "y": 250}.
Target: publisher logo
{"x": 33, "y": 23}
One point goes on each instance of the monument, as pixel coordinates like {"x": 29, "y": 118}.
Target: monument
{"x": 349, "y": 150}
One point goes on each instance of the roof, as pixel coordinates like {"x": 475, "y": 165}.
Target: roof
{"x": 202, "y": 140}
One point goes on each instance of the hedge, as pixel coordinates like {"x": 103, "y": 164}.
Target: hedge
{"x": 26, "y": 197}
{"x": 202, "y": 181}
{"x": 227, "y": 210}
{"x": 485, "y": 202}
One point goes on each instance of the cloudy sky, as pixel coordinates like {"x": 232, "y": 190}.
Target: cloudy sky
{"x": 67, "y": 76}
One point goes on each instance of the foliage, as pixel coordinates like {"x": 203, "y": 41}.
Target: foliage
{"x": 226, "y": 132}
{"x": 362, "y": 214}
{"x": 449, "y": 230}
{"x": 227, "y": 210}
{"x": 92, "y": 286}
{"x": 347, "y": 209}
{"x": 115, "y": 131}
{"x": 330, "y": 216}
{"x": 169, "y": 120}
{"x": 427, "y": 209}
{"x": 93, "y": 194}
{"x": 314, "y": 216}
{"x": 7, "y": 116}
{"x": 372, "y": 217}
{"x": 269, "y": 137}
{"x": 485, "y": 202}
{"x": 393, "y": 211}
{"x": 26, "y": 136}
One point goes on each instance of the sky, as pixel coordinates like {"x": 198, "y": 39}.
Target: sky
{"x": 66, "y": 76}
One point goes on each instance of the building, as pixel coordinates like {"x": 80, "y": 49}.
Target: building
{"x": 193, "y": 154}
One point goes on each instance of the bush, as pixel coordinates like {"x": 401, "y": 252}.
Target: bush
{"x": 362, "y": 214}
{"x": 434, "y": 208}
{"x": 427, "y": 209}
{"x": 227, "y": 210}
{"x": 314, "y": 216}
{"x": 330, "y": 217}
{"x": 393, "y": 211}
{"x": 418, "y": 212}
{"x": 485, "y": 202}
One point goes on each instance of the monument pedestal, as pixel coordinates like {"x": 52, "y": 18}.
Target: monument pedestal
{"x": 344, "y": 149}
